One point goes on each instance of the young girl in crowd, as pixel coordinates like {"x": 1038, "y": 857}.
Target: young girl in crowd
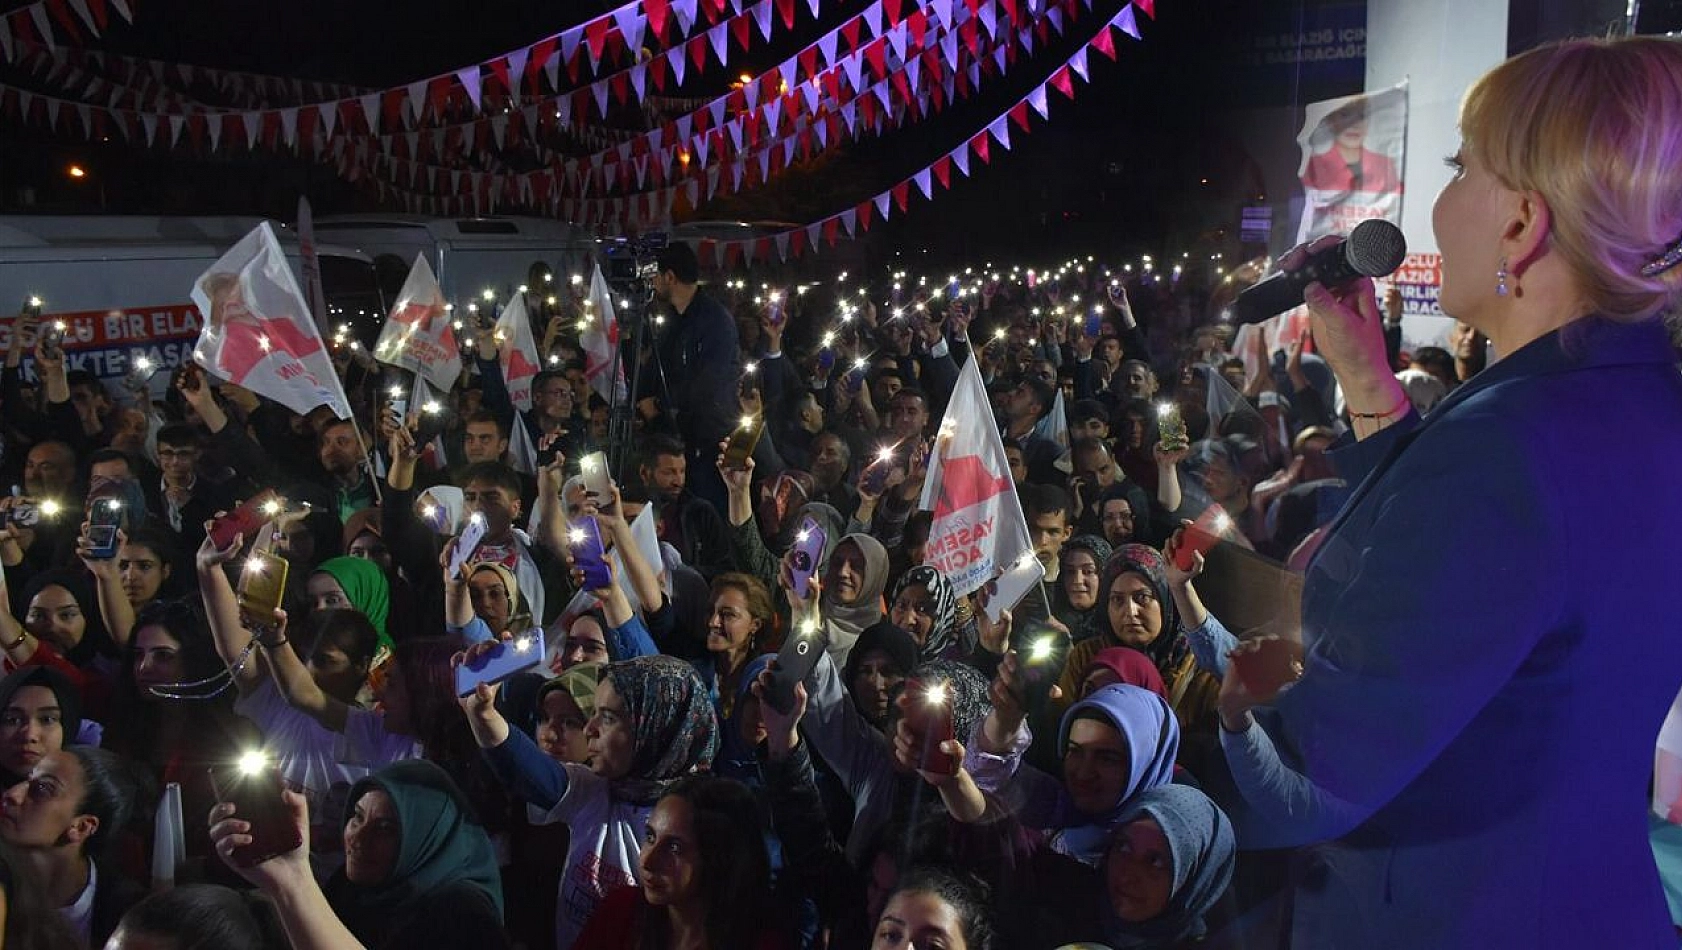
{"x": 705, "y": 877}
{"x": 40, "y": 713}
{"x": 62, "y": 629}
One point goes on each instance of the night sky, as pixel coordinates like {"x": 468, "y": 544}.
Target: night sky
{"x": 1144, "y": 159}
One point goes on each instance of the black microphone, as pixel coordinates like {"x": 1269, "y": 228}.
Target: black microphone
{"x": 1375, "y": 248}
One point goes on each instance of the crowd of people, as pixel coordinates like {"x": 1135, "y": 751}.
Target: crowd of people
{"x": 652, "y": 781}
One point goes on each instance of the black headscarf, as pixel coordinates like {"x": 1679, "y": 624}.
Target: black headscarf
{"x": 1169, "y": 648}
{"x": 900, "y": 647}
{"x": 96, "y": 641}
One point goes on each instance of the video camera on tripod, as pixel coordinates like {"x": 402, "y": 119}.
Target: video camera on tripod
{"x": 631, "y": 263}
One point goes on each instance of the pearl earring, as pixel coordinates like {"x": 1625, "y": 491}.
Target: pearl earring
{"x": 1501, "y": 279}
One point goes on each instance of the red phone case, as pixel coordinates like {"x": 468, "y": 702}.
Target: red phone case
{"x": 1274, "y": 665}
{"x": 1200, "y": 537}
{"x": 932, "y": 724}
{"x": 245, "y": 519}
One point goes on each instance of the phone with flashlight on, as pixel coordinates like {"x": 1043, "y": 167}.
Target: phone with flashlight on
{"x": 1040, "y": 652}
{"x": 584, "y": 537}
{"x": 253, "y": 786}
{"x": 103, "y": 520}
{"x": 743, "y": 439}
{"x": 928, "y": 714}
{"x": 500, "y": 662}
{"x": 262, "y": 589}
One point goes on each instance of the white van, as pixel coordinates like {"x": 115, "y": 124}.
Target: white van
{"x": 469, "y": 255}
{"x": 123, "y": 284}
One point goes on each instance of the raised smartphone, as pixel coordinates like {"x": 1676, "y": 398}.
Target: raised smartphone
{"x": 103, "y": 520}
{"x": 584, "y": 537}
{"x": 472, "y": 535}
{"x": 742, "y": 441}
{"x": 592, "y": 469}
{"x": 262, "y": 588}
{"x": 244, "y": 520}
{"x": 253, "y": 786}
{"x": 1275, "y": 664}
{"x": 1201, "y": 536}
{"x": 504, "y": 660}
{"x": 795, "y": 661}
{"x": 809, "y": 544}
{"x": 929, "y": 716}
{"x": 1170, "y": 427}
{"x": 52, "y": 338}
{"x": 1040, "y": 652}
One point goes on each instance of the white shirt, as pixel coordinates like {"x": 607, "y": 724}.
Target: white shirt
{"x": 79, "y": 912}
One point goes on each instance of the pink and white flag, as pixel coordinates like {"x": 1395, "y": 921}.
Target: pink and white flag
{"x": 417, "y": 335}
{"x": 517, "y": 351}
{"x": 978, "y": 529}
{"x": 258, "y": 332}
{"x": 599, "y": 336}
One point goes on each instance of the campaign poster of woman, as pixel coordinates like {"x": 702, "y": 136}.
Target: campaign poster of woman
{"x": 1352, "y": 161}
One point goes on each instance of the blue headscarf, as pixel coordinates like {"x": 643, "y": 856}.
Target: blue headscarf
{"x": 1201, "y": 847}
{"x": 1147, "y": 724}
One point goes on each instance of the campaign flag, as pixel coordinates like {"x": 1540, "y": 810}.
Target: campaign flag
{"x": 310, "y": 263}
{"x": 522, "y": 454}
{"x": 417, "y": 335}
{"x": 257, "y": 329}
{"x": 1054, "y": 425}
{"x": 1353, "y": 151}
{"x": 600, "y": 340}
{"x": 517, "y": 351}
{"x": 978, "y": 528}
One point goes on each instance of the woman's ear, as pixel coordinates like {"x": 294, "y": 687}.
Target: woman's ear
{"x": 1526, "y": 234}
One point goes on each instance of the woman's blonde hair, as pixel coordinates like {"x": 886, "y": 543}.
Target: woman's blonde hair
{"x": 1595, "y": 127}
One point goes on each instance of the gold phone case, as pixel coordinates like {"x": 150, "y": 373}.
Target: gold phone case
{"x": 743, "y": 439}
{"x": 262, "y": 588}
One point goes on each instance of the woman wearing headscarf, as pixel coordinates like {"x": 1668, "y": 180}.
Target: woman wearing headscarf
{"x": 62, "y": 629}
{"x": 1160, "y": 868}
{"x": 364, "y": 537}
{"x": 1138, "y": 611}
{"x": 1121, "y": 665}
{"x": 1115, "y": 744}
{"x": 854, "y": 578}
{"x": 654, "y": 724}
{"x": 879, "y": 662}
{"x": 353, "y": 583}
{"x": 862, "y": 756}
{"x": 925, "y": 606}
{"x": 419, "y": 870}
{"x": 1161, "y": 881}
{"x": 1074, "y": 599}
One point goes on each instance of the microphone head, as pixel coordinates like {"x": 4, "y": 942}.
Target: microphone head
{"x": 1375, "y": 248}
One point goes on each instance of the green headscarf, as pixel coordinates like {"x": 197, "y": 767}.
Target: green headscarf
{"x": 441, "y": 844}
{"x": 365, "y": 585}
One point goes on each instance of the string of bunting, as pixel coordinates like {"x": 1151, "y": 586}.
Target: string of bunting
{"x": 35, "y": 22}
{"x": 152, "y": 82}
{"x": 917, "y": 49}
{"x": 916, "y": 88}
{"x": 622, "y": 212}
{"x": 496, "y": 84}
{"x": 937, "y": 174}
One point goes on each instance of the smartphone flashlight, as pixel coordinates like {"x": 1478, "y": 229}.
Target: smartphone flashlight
{"x": 252, "y": 762}
{"x": 575, "y": 535}
{"x": 936, "y": 694}
{"x": 1041, "y": 650}
{"x": 49, "y": 508}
